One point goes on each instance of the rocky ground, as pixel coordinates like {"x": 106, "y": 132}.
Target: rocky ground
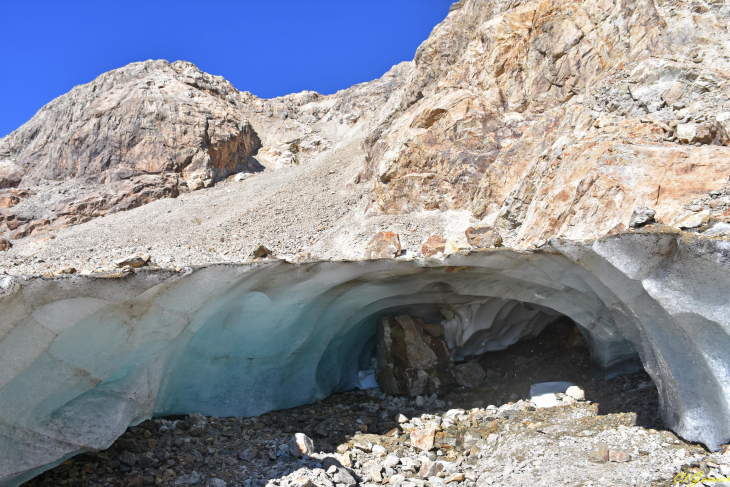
{"x": 492, "y": 435}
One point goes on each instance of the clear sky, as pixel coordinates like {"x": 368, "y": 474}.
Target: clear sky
{"x": 267, "y": 47}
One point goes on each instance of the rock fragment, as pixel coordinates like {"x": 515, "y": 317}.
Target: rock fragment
{"x": 260, "y": 252}
{"x": 576, "y": 393}
{"x": 483, "y": 237}
{"x": 423, "y": 439}
{"x": 5, "y": 244}
{"x": 410, "y": 360}
{"x": 469, "y": 374}
{"x": 433, "y": 245}
{"x": 301, "y": 445}
{"x": 642, "y": 215}
{"x": 618, "y": 456}
{"x": 133, "y": 261}
{"x": 383, "y": 245}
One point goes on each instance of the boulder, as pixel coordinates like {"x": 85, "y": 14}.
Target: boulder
{"x": 10, "y": 174}
{"x": 483, "y": 237}
{"x": 410, "y": 359}
{"x": 469, "y": 375}
{"x": 300, "y": 445}
{"x": 383, "y": 245}
{"x": 423, "y": 439}
{"x": 641, "y": 216}
{"x": 433, "y": 245}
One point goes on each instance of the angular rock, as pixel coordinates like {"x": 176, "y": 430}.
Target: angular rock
{"x": 247, "y": 453}
{"x": 576, "y": 393}
{"x": 260, "y": 252}
{"x": 10, "y": 174}
{"x": 433, "y": 245}
{"x": 5, "y": 244}
{"x": 343, "y": 477}
{"x": 410, "y": 361}
{"x": 423, "y": 439}
{"x": 301, "y": 445}
{"x": 429, "y": 469}
{"x": 383, "y": 245}
{"x": 469, "y": 375}
{"x": 196, "y": 424}
{"x": 133, "y": 261}
{"x": 618, "y": 456}
{"x": 483, "y": 237}
{"x": 641, "y": 216}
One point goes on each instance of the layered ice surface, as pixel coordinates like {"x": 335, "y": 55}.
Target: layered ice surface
{"x": 82, "y": 358}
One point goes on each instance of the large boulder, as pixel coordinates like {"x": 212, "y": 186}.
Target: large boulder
{"x": 412, "y": 357}
{"x": 10, "y": 174}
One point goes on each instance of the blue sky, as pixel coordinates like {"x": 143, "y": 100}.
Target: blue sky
{"x": 267, "y": 47}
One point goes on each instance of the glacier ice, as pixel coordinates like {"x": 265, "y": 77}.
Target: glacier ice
{"x": 82, "y": 358}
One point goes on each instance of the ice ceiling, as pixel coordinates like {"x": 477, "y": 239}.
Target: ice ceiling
{"x": 82, "y": 358}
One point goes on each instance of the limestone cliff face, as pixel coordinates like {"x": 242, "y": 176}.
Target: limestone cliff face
{"x": 555, "y": 119}
{"x": 145, "y": 118}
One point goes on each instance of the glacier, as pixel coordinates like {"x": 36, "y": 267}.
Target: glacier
{"x": 82, "y": 358}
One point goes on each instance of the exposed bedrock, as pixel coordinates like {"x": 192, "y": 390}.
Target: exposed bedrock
{"x": 82, "y": 358}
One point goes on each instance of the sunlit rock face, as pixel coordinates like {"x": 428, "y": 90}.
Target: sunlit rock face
{"x": 82, "y": 358}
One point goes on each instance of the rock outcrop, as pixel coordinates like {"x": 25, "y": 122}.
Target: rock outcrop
{"x": 146, "y": 131}
{"x": 552, "y": 119}
{"x": 152, "y": 117}
{"x": 413, "y": 359}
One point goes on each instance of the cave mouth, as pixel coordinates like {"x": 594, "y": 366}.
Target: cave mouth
{"x": 459, "y": 330}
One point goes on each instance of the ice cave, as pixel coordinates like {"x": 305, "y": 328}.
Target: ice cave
{"x": 82, "y": 358}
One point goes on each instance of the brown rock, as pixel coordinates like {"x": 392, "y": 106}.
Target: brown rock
{"x": 410, "y": 360}
{"x": 618, "y": 456}
{"x": 423, "y": 439}
{"x": 8, "y": 201}
{"x": 260, "y": 252}
{"x": 483, "y": 237}
{"x": 433, "y": 245}
{"x": 5, "y": 244}
{"x": 133, "y": 261}
{"x": 383, "y": 245}
{"x": 455, "y": 477}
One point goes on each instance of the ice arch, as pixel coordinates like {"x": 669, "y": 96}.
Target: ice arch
{"x": 82, "y": 358}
